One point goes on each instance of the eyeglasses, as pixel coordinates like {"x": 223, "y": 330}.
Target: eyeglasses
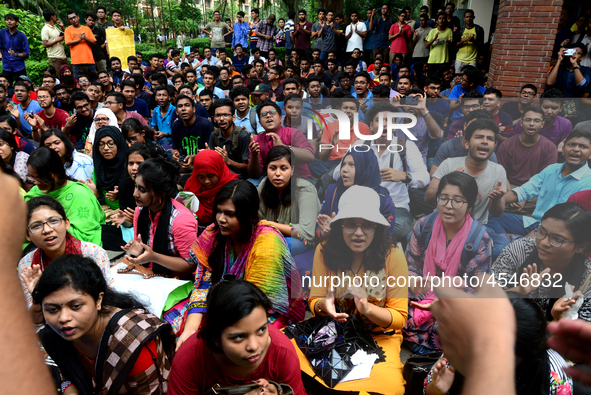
{"x": 218, "y": 116}
{"x": 267, "y": 113}
{"x": 530, "y": 120}
{"x": 455, "y": 203}
{"x": 110, "y": 103}
{"x": 101, "y": 119}
{"x": 32, "y": 178}
{"x": 79, "y": 107}
{"x": 526, "y": 93}
{"x": 38, "y": 226}
{"x": 109, "y": 144}
{"x": 554, "y": 240}
{"x": 474, "y": 107}
{"x": 366, "y": 227}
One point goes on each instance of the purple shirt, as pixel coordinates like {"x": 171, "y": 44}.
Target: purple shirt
{"x": 289, "y": 136}
{"x": 557, "y": 132}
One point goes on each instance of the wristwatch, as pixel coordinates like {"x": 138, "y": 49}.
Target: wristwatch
{"x": 408, "y": 178}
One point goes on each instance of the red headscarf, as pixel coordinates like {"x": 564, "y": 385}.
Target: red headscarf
{"x": 208, "y": 161}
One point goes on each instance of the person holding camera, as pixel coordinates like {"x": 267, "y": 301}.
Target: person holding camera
{"x": 568, "y": 75}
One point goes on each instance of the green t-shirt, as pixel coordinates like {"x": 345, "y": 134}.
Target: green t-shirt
{"x": 439, "y": 49}
{"x": 469, "y": 52}
{"x": 82, "y": 209}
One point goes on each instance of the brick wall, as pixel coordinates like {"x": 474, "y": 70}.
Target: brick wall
{"x": 523, "y": 43}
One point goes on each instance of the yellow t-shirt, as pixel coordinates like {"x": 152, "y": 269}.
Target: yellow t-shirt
{"x": 469, "y": 52}
{"x": 438, "y": 52}
{"x": 51, "y": 33}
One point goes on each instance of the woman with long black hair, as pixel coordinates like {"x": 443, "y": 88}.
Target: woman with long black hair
{"x": 78, "y": 166}
{"x": 291, "y": 205}
{"x": 11, "y": 154}
{"x": 47, "y": 172}
{"x": 101, "y": 340}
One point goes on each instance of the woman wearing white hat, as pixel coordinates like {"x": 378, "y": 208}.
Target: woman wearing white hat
{"x": 360, "y": 250}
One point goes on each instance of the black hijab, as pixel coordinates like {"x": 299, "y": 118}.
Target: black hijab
{"x": 109, "y": 173}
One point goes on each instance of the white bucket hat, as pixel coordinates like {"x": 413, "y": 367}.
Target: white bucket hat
{"x": 360, "y": 202}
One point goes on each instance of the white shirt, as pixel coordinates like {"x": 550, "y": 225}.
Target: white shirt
{"x": 415, "y": 166}
{"x": 355, "y": 41}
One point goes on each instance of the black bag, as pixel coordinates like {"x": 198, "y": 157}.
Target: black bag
{"x": 328, "y": 345}
{"x": 282, "y": 389}
{"x": 416, "y": 369}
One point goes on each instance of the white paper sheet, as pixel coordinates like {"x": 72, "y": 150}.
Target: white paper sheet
{"x": 152, "y": 291}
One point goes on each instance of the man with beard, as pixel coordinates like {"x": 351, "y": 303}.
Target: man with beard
{"x": 189, "y": 133}
{"x": 229, "y": 140}
{"x": 301, "y": 34}
{"x": 553, "y": 185}
{"x": 526, "y": 154}
{"x": 274, "y": 134}
{"x": 98, "y": 49}
{"x": 293, "y": 107}
{"x": 491, "y": 178}
{"x": 209, "y": 78}
{"x": 316, "y": 100}
{"x": 80, "y": 40}
{"x": 470, "y": 102}
{"x": 78, "y": 125}
{"x": 362, "y": 92}
{"x": 403, "y": 85}
{"x": 556, "y": 128}
{"x": 48, "y": 118}
{"x": 63, "y": 97}
{"x": 526, "y": 97}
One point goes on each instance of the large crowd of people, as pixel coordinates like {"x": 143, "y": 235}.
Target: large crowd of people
{"x": 228, "y": 167}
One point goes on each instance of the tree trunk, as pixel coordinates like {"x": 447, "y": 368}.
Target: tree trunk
{"x": 170, "y": 15}
{"x": 335, "y": 5}
{"x": 162, "y": 16}
{"x": 153, "y": 21}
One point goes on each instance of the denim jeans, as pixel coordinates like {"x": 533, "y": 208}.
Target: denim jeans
{"x": 76, "y": 67}
{"x": 403, "y": 225}
{"x": 296, "y": 247}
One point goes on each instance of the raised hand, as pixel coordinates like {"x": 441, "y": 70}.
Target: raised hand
{"x": 113, "y": 195}
{"x": 254, "y": 147}
{"x": 360, "y": 298}
{"x": 144, "y": 257}
{"x": 276, "y": 139}
{"x": 222, "y": 151}
{"x": 118, "y": 218}
{"x": 563, "y": 304}
{"x": 323, "y": 222}
{"x": 526, "y": 286}
{"x": 31, "y": 276}
{"x": 71, "y": 121}
{"x": 498, "y": 192}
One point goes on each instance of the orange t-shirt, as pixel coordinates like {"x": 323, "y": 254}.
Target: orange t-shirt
{"x": 343, "y": 145}
{"x": 81, "y": 53}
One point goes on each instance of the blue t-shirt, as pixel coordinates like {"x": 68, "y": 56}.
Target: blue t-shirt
{"x": 455, "y": 94}
{"x": 140, "y": 107}
{"x": 440, "y": 106}
{"x": 237, "y": 63}
{"x": 33, "y": 107}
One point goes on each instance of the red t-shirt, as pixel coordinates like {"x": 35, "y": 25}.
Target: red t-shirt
{"x": 58, "y": 121}
{"x": 194, "y": 369}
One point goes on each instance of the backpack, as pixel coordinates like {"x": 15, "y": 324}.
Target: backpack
{"x": 234, "y": 151}
{"x": 402, "y": 153}
{"x": 472, "y": 242}
{"x": 252, "y": 116}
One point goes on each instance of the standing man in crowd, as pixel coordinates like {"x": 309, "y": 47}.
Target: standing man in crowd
{"x": 98, "y": 49}
{"x": 354, "y": 34}
{"x": 15, "y": 49}
{"x": 471, "y": 38}
{"x": 317, "y": 29}
{"x": 301, "y": 35}
{"x": 421, "y": 52}
{"x": 289, "y": 28}
{"x": 217, "y": 30}
{"x": 381, "y": 43}
{"x": 254, "y": 23}
{"x": 80, "y": 40}
{"x": 52, "y": 36}
{"x": 265, "y": 31}
{"x": 102, "y": 22}
{"x": 329, "y": 31}
{"x": 240, "y": 35}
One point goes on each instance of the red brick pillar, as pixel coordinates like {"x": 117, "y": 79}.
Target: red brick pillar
{"x": 523, "y": 42}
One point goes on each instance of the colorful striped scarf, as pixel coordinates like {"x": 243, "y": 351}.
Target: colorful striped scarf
{"x": 266, "y": 262}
